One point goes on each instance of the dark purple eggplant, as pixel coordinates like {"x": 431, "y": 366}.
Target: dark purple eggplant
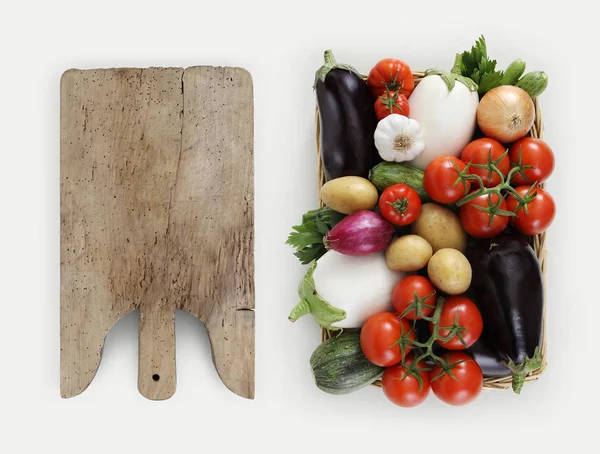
{"x": 347, "y": 120}
{"x": 490, "y": 362}
{"x": 508, "y": 289}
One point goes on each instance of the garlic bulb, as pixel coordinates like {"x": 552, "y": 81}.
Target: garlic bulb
{"x": 398, "y": 138}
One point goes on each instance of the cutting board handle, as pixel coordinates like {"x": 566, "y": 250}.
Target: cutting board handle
{"x": 156, "y": 369}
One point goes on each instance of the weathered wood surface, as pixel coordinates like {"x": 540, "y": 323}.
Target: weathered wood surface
{"x": 157, "y": 214}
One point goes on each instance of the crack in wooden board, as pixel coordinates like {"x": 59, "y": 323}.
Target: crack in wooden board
{"x": 157, "y": 214}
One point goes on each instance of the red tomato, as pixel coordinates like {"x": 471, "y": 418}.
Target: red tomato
{"x": 413, "y": 291}
{"x": 480, "y": 224}
{"x": 535, "y": 153}
{"x": 467, "y": 385}
{"x": 486, "y": 151}
{"x": 400, "y": 204}
{"x": 469, "y": 323}
{"x": 403, "y": 388}
{"x": 391, "y": 102}
{"x": 393, "y": 74}
{"x": 540, "y": 211}
{"x": 380, "y": 333}
{"x": 440, "y": 179}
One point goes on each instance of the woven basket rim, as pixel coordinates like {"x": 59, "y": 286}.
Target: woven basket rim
{"x": 538, "y": 243}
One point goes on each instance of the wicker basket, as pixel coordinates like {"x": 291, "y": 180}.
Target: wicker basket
{"x": 538, "y": 242}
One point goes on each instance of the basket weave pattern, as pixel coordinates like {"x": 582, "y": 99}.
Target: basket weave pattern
{"x": 538, "y": 242}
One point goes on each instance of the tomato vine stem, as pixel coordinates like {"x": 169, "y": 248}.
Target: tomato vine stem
{"x": 493, "y": 209}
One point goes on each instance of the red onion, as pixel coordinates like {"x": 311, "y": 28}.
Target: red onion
{"x": 361, "y": 233}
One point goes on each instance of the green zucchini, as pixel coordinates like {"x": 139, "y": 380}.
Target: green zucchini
{"x": 534, "y": 83}
{"x": 340, "y": 367}
{"x": 513, "y": 72}
{"x": 386, "y": 174}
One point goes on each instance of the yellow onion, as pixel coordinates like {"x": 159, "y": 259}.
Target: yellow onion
{"x": 505, "y": 113}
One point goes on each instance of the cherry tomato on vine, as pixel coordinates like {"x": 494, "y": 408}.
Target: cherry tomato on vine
{"x": 459, "y": 316}
{"x": 416, "y": 292}
{"x": 393, "y": 74}
{"x": 400, "y": 204}
{"x": 440, "y": 179}
{"x": 379, "y": 338}
{"x": 540, "y": 211}
{"x": 401, "y": 385}
{"x": 536, "y": 153}
{"x": 486, "y": 151}
{"x": 466, "y": 384}
{"x": 481, "y": 224}
{"x": 391, "y": 102}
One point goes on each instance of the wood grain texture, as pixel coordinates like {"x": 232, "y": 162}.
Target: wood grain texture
{"x": 157, "y": 214}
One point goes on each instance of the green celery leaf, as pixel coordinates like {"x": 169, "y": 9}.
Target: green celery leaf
{"x": 489, "y": 81}
{"x": 307, "y": 238}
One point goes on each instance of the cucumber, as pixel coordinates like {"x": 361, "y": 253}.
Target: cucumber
{"x": 534, "y": 83}
{"x": 386, "y": 174}
{"x": 513, "y": 72}
{"x": 340, "y": 367}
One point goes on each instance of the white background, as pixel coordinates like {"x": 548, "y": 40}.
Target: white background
{"x": 281, "y": 44}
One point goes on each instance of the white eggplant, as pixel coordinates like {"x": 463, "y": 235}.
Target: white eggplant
{"x": 445, "y": 105}
{"x": 343, "y": 291}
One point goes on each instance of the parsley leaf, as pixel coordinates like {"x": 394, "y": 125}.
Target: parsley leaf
{"x": 307, "y": 238}
{"x": 478, "y": 67}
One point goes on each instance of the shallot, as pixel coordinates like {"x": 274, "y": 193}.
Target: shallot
{"x": 361, "y": 233}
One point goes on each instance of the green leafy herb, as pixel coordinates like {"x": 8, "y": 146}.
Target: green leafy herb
{"x": 307, "y": 238}
{"x": 478, "y": 67}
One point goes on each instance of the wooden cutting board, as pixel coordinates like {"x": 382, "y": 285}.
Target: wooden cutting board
{"x": 157, "y": 213}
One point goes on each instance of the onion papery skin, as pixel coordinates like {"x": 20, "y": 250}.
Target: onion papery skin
{"x": 506, "y": 113}
{"x": 362, "y": 233}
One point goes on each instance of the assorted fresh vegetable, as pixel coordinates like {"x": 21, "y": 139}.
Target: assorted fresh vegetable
{"x": 400, "y": 204}
{"x": 347, "y": 120}
{"x": 414, "y": 297}
{"x": 507, "y": 285}
{"x": 339, "y": 365}
{"x": 450, "y": 271}
{"x": 391, "y": 102}
{"x": 398, "y": 138}
{"x": 348, "y": 195}
{"x": 461, "y": 322}
{"x": 505, "y": 113}
{"x": 457, "y": 379}
{"x": 343, "y": 291}
{"x": 407, "y": 386}
{"x": 534, "y": 158}
{"x": 484, "y": 153}
{"x": 423, "y": 274}
{"x": 386, "y": 174}
{"x": 445, "y": 107}
{"x": 361, "y": 233}
{"x": 408, "y": 253}
{"x": 441, "y": 228}
{"x": 391, "y": 74}
{"x": 440, "y": 179}
{"x": 307, "y": 238}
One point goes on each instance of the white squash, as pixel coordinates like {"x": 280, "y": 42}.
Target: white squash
{"x": 343, "y": 291}
{"x": 447, "y": 116}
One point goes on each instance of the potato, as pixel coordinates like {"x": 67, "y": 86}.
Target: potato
{"x": 440, "y": 227}
{"x": 450, "y": 271}
{"x": 349, "y": 194}
{"x": 408, "y": 253}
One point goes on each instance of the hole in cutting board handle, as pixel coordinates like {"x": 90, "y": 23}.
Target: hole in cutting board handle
{"x": 155, "y": 377}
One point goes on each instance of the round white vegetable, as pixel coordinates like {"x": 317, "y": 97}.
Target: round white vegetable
{"x": 398, "y": 138}
{"x": 361, "y": 286}
{"x": 447, "y": 117}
